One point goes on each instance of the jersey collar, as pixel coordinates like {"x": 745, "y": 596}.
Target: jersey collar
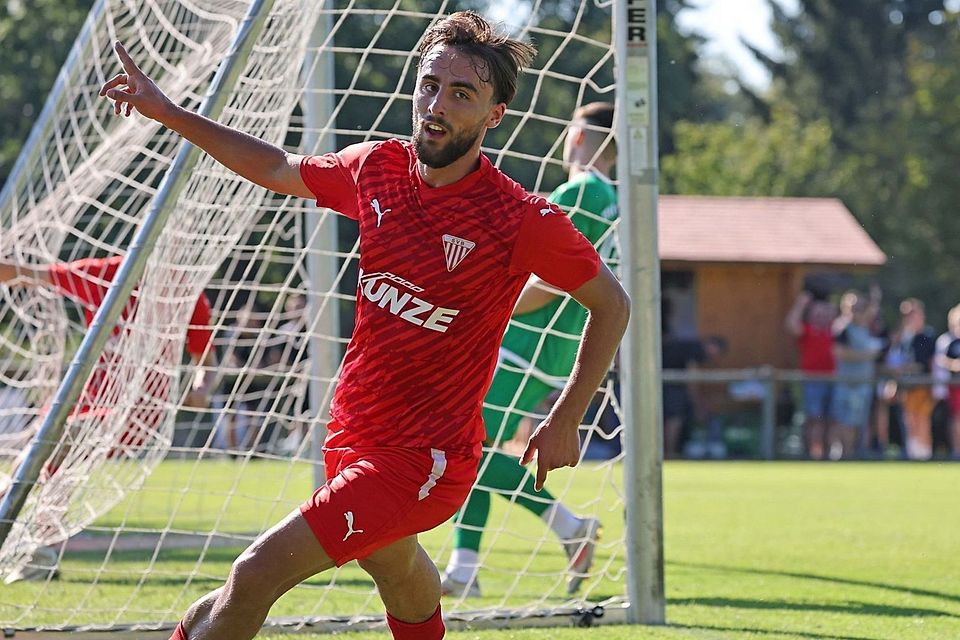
{"x": 460, "y": 187}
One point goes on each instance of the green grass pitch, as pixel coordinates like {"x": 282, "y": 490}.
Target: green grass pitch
{"x": 753, "y": 550}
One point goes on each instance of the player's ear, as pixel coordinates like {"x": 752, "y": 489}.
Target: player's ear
{"x": 579, "y": 136}
{"x": 496, "y": 115}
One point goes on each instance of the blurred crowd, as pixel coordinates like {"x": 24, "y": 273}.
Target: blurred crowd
{"x": 873, "y": 389}
{"x": 261, "y": 402}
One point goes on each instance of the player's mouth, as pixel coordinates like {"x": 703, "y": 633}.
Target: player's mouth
{"x": 433, "y": 131}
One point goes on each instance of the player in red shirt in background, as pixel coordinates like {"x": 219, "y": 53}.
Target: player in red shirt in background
{"x": 446, "y": 244}
{"x": 86, "y": 282}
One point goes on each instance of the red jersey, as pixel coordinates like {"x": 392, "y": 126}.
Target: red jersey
{"x": 440, "y": 271}
{"x": 815, "y": 345}
{"x": 87, "y": 282}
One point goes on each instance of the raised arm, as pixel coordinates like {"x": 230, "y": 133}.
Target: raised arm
{"x": 258, "y": 161}
{"x": 794, "y": 319}
{"x": 14, "y": 274}
{"x": 556, "y": 442}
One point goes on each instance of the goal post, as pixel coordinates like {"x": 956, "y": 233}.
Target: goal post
{"x": 107, "y": 315}
{"x": 636, "y": 40}
{"x": 139, "y": 536}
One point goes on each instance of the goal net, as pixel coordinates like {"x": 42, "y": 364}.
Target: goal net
{"x": 147, "y": 497}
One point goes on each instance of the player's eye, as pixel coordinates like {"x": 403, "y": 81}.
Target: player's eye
{"x": 462, "y": 95}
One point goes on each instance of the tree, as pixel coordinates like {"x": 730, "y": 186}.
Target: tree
{"x": 785, "y": 157}
{"x": 36, "y": 37}
{"x": 845, "y": 60}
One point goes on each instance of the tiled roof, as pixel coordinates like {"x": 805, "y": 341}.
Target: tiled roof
{"x": 783, "y": 230}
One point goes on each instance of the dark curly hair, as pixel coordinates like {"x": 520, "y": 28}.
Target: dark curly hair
{"x": 497, "y": 56}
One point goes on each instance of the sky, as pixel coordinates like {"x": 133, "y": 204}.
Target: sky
{"x": 723, "y": 22}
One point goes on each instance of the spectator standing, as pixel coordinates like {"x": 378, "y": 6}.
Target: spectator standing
{"x": 855, "y": 350}
{"x": 685, "y": 402}
{"x": 946, "y": 368}
{"x": 911, "y": 353}
{"x": 810, "y": 321}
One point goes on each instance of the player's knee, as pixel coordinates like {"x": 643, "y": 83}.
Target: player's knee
{"x": 250, "y": 578}
{"x": 395, "y": 562}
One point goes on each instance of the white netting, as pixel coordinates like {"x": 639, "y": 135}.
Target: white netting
{"x": 146, "y": 523}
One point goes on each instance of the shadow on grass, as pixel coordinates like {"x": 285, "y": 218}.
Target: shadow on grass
{"x": 949, "y": 597}
{"x": 779, "y": 633}
{"x": 854, "y": 608}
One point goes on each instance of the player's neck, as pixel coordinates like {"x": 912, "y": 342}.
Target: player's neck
{"x": 577, "y": 169}
{"x": 453, "y": 172}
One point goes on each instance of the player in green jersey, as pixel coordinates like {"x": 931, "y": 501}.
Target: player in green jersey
{"x": 536, "y": 357}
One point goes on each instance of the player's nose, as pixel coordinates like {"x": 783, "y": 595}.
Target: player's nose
{"x": 436, "y": 104}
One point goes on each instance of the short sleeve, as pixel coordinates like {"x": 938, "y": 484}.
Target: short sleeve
{"x": 953, "y": 349}
{"x": 332, "y": 177}
{"x": 551, "y": 247}
{"x": 843, "y": 337}
{"x": 199, "y": 333}
{"x": 923, "y": 349}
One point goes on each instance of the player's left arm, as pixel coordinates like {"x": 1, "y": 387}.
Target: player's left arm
{"x": 556, "y": 441}
{"x": 536, "y": 294}
{"x": 14, "y": 274}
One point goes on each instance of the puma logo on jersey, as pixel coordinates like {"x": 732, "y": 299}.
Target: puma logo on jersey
{"x": 455, "y": 250}
{"x": 380, "y": 289}
{"x": 545, "y": 211}
{"x": 350, "y": 530}
{"x": 376, "y": 209}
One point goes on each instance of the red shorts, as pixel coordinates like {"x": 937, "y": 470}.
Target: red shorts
{"x": 954, "y": 399}
{"x": 377, "y": 495}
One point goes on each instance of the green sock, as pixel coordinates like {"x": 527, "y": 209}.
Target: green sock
{"x": 504, "y": 475}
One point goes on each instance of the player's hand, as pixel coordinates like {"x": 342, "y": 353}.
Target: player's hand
{"x": 555, "y": 444}
{"x": 132, "y": 89}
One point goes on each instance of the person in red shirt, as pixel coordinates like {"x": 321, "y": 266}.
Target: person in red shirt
{"x": 810, "y": 321}
{"x": 86, "y": 282}
{"x": 446, "y": 243}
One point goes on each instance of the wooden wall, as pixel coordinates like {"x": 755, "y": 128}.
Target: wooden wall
{"x": 746, "y": 304}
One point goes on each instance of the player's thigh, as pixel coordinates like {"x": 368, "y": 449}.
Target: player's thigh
{"x": 512, "y": 396}
{"x": 285, "y": 555}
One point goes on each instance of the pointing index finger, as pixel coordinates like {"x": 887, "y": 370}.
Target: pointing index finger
{"x": 128, "y": 64}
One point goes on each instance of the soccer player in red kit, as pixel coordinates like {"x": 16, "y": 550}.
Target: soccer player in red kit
{"x": 446, "y": 244}
{"x": 86, "y": 282}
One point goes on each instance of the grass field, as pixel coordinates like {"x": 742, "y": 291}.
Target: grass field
{"x": 753, "y": 550}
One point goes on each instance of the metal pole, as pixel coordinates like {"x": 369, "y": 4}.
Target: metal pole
{"x": 318, "y": 137}
{"x": 637, "y": 172}
{"x": 129, "y": 273}
{"x": 68, "y": 72}
{"x": 769, "y": 426}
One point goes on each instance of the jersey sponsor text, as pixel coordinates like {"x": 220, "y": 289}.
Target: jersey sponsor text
{"x": 379, "y": 288}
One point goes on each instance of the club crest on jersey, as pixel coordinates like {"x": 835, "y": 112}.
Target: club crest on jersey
{"x": 456, "y": 249}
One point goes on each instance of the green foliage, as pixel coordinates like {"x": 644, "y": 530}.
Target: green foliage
{"x": 873, "y": 86}
{"x": 786, "y": 157}
{"x": 36, "y": 37}
{"x": 912, "y": 164}
{"x": 846, "y": 59}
